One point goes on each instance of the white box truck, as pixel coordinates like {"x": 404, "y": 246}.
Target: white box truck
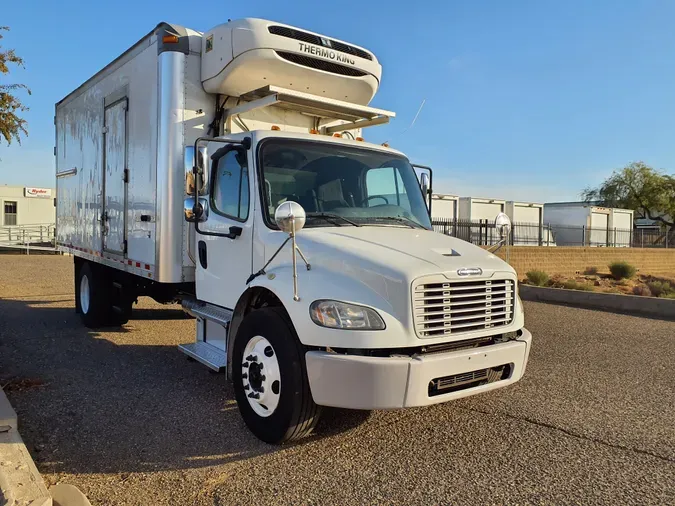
{"x": 226, "y": 170}
{"x": 586, "y": 224}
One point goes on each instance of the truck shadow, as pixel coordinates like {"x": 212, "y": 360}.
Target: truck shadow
{"x": 99, "y": 401}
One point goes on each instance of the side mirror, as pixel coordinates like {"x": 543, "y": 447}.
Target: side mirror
{"x": 503, "y": 226}
{"x": 424, "y": 184}
{"x": 290, "y": 217}
{"x": 189, "y": 163}
{"x": 195, "y": 213}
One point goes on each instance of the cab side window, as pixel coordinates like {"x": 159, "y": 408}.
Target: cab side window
{"x": 230, "y": 186}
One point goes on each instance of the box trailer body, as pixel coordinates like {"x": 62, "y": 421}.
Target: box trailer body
{"x": 444, "y": 207}
{"x": 186, "y": 171}
{"x": 120, "y": 139}
{"x": 584, "y": 224}
{"x": 528, "y": 224}
{"x": 475, "y": 209}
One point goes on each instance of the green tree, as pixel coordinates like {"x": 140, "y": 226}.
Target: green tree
{"x": 12, "y": 125}
{"x": 638, "y": 186}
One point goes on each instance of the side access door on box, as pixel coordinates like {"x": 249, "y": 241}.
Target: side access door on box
{"x": 115, "y": 174}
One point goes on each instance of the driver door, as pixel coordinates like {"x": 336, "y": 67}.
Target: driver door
{"x": 225, "y": 239}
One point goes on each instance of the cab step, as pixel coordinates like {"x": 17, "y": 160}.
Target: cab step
{"x": 212, "y": 357}
{"x": 201, "y": 309}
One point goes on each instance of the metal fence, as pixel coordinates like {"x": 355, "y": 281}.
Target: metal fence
{"x": 483, "y": 233}
{"x": 40, "y": 236}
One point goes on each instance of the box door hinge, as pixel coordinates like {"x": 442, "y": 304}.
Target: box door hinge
{"x": 124, "y": 246}
{"x": 125, "y": 177}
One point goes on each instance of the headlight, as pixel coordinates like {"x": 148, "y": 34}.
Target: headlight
{"x": 340, "y": 315}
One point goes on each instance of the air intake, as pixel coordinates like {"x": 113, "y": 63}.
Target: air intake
{"x": 291, "y": 33}
{"x": 316, "y": 63}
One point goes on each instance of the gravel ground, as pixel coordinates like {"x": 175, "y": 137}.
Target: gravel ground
{"x": 125, "y": 417}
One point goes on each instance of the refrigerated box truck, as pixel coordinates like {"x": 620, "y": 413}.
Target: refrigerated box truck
{"x": 226, "y": 170}
{"x": 586, "y": 224}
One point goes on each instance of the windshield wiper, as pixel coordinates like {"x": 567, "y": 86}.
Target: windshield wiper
{"x": 333, "y": 218}
{"x": 402, "y": 219}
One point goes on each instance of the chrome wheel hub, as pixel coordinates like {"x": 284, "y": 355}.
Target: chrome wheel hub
{"x": 261, "y": 377}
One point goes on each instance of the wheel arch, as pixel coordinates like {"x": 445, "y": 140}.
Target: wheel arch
{"x": 255, "y": 297}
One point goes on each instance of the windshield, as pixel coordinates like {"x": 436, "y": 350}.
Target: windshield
{"x": 365, "y": 187}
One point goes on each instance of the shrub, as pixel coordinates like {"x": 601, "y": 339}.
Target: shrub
{"x": 574, "y": 285}
{"x": 622, "y": 270}
{"x": 660, "y": 288}
{"x": 537, "y": 278}
{"x": 591, "y": 271}
{"x": 642, "y": 291}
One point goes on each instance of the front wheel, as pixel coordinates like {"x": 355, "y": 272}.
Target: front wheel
{"x": 270, "y": 380}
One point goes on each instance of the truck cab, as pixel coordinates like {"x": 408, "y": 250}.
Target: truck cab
{"x": 304, "y": 252}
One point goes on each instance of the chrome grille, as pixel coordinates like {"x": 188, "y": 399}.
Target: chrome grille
{"x": 452, "y": 307}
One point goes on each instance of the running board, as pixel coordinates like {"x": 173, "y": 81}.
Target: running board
{"x": 201, "y": 309}
{"x": 212, "y": 357}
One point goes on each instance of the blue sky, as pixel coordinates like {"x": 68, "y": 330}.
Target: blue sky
{"x": 525, "y": 100}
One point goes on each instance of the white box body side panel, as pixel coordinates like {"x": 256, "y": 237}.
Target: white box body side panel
{"x": 444, "y": 207}
{"x": 79, "y": 145}
{"x": 480, "y": 209}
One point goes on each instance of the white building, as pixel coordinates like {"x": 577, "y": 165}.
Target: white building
{"x": 26, "y": 205}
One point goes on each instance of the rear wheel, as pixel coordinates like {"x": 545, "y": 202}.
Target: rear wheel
{"x": 92, "y": 296}
{"x": 270, "y": 379}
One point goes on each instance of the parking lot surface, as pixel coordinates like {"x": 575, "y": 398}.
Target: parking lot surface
{"x": 121, "y": 414}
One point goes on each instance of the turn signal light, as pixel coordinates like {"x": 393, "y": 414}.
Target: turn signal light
{"x": 359, "y": 139}
{"x": 337, "y": 135}
{"x": 314, "y": 131}
{"x": 170, "y": 39}
{"x": 275, "y": 128}
{"x": 385, "y": 144}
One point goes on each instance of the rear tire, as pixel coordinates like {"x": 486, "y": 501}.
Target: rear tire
{"x": 266, "y": 336}
{"x": 92, "y": 295}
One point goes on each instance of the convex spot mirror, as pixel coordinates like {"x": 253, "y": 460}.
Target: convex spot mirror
{"x": 199, "y": 213}
{"x": 503, "y": 225}
{"x": 288, "y": 214}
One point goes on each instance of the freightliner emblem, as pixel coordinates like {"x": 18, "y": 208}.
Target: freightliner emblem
{"x": 470, "y": 271}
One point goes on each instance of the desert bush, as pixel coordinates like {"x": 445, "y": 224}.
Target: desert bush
{"x": 537, "y": 278}
{"x": 575, "y": 285}
{"x": 660, "y": 288}
{"x": 622, "y": 270}
{"x": 591, "y": 271}
{"x": 642, "y": 291}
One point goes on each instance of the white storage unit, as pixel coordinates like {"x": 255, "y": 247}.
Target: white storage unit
{"x": 474, "y": 209}
{"x": 584, "y": 224}
{"x": 444, "y": 206}
{"x": 26, "y": 205}
{"x": 528, "y": 219}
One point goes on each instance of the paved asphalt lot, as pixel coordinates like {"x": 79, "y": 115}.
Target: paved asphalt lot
{"x": 124, "y": 416}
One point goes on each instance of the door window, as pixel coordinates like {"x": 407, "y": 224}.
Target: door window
{"x": 230, "y": 186}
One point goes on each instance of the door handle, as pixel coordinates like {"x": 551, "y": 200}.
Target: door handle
{"x": 201, "y": 247}
{"x": 234, "y": 232}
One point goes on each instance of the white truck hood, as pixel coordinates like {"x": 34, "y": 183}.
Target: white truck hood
{"x": 409, "y": 252}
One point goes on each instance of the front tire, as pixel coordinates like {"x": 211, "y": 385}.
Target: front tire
{"x": 270, "y": 379}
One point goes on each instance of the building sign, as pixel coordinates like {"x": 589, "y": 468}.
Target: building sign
{"x": 41, "y": 193}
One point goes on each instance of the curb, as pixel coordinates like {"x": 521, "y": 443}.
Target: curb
{"x": 20, "y": 482}
{"x": 633, "y": 304}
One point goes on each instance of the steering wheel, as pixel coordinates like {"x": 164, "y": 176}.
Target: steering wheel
{"x": 377, "y": 197}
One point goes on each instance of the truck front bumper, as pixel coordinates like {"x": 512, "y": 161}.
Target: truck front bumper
{"x": 359, "y": 382}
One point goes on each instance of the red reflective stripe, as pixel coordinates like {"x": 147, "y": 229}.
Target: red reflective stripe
{"x": 138, "y": 264}
{"x": 147, "y": 266}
